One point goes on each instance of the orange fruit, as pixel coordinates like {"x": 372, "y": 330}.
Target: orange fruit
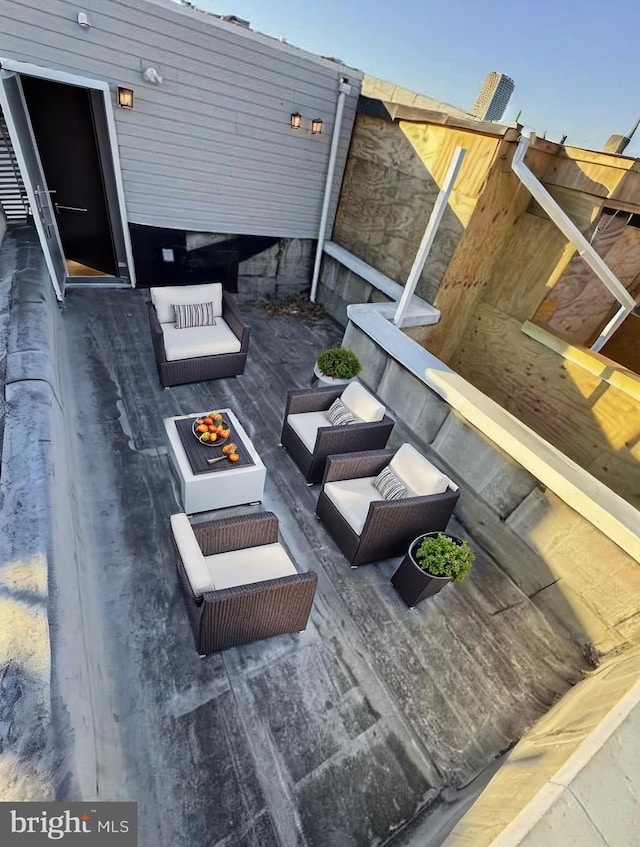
{"x": 213, "y": 436}
{"x": 202, "y": 428}
{"x": 234, "y": 457}
{"x": 215, "y": 416}
{"x": 208, "y": 421}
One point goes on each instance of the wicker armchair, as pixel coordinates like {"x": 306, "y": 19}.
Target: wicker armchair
{"x": 240, "y": 613}
{"x": 201, "y": 367}
{"x": 389, "y": 525}
{"x": 329, "y": 439}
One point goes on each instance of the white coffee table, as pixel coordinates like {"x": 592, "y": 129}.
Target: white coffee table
{"x": 219, "y": 489}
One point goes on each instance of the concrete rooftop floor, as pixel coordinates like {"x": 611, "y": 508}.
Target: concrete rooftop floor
{"x": 377, "y": 725}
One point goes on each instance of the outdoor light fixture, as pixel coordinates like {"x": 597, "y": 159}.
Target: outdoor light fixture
{"x": 125, "y": 98}
{"x": 316, "y": 126}
{"x": 83, "y": 20}
{"x": 296, "y": 118}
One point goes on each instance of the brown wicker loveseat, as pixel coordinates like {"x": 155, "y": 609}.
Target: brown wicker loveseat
{"x": 238, "y": 582}
{"x": 200, "y": 352}
{"x": 366, "y": 526}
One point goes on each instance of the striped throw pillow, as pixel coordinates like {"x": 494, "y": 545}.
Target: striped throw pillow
{"x": 389, "y": 485}
{"x": 339, "y": 415}
{"x": 194, "y": 314}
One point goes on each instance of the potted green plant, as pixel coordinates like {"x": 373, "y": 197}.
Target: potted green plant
{"x": 433, "y": 560}
{"x": 336, "y": 365}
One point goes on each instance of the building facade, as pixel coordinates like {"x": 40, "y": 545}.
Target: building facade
{"x": 205, "y": 143}
{"x": 494, "y": 97}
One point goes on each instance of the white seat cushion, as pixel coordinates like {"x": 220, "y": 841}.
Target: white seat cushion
{"x": 362, "y": 404}
{"x": 198, "y": 341}
{"x": 191, "y": 555}
{"x": 306, "y": 425}
{"x": 255, "y": 564}
{"x": 417, "y": 473}
{"x": 352, "y": 498}
{"x": 164, "y": 298}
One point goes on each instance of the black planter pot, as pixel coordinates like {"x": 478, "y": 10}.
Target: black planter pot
{"x": 411, "y": 582}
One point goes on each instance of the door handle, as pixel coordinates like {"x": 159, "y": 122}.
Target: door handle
{"x": 69, "y": 208}
{"x": 46, "y": 192}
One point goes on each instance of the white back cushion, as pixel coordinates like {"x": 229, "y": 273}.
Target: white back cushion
{"x": 182, "y": 295}
{"x": 362, "y": 404}
{"x": 417, "y": 473}
{"x": 191, "y": 555}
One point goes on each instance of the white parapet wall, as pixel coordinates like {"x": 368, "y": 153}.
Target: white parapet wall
{"x": 566, "y": 540}
{"x": 575, "y": 776}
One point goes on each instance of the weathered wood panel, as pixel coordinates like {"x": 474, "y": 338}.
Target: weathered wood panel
{"x": 583, "y": 209}
{"x": 585, "y": 417}
{"x": 579, "y": 304}
{"x": 501, "y": 205}
{"x": 528, "y": 260}
{"x": 436, "y": 146}
{"x": 392, "y": 179}
{"x": 592, "y": 173}
{"x": 221, "y": 116}
{"x": 628, "y": 189}
{"x": 624, "y": 347}
{"x": 393, "y": 176}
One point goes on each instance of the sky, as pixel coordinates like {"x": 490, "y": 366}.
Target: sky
{"x": 573, "y": 61}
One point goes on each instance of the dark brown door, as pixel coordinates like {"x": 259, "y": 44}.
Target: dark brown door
{"x": 63, "y": 125}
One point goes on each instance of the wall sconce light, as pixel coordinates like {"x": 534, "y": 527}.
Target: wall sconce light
{"x": 125, "y": 98}
{"x": 296, "y": 119}
{"x": 316, "y": 126}
{"x": 83, "y": 20}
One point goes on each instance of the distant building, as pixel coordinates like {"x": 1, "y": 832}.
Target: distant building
{"x": 494, "y": 97}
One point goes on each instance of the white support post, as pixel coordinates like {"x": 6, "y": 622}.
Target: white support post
{"x": 616, "y": 321}
{"x": 343, "y": 90}
{"x": 429, "y": 235}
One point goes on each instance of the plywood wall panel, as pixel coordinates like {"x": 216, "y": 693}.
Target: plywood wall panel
{"x": 393, "y": 176}
{"x": 585, "y": 417}
{"x": 382, "y": 215}
{"x": 436, "y": 145}
{"x": 581, "y": 208}
{"x": 579, "y": 304}
{"x": 628, "y": 189}
{"x": 505, "y": 255}
{"x": 381, "y": 143}
{"x": 624, "y": 348}
{"x": 591, "y": 173}
{"x": 530, "y": 255}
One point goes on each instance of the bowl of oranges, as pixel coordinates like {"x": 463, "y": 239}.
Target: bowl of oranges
{"x": 211, "y": 429}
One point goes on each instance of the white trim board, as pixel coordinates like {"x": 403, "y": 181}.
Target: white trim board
{"x": 595, "y": 363}
{"x": 420, "y": 313}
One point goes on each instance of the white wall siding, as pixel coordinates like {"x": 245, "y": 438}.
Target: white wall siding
{"x": 211, "y": 148}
